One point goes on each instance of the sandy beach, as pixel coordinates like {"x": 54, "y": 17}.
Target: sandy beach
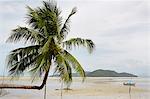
{"x": 92, "y": 88}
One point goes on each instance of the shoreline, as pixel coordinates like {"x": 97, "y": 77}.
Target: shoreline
{"x": 92, "y": 88}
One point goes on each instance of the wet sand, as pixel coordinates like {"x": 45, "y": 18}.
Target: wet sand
{"x": 92, "y": 88}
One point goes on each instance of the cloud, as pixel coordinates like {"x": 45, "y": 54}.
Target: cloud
{"x": 120, "y": 30}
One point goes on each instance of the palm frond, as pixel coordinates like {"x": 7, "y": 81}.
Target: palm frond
{"x": 75, "y": 42}
{"x": 23, "y": 33}
{"x": 43, "y": 61}
{"x": 66, "y": 27}
{"x": 46, "y": 19}
{"x": 39, "y": 68}
{"x": 63, "y": 69}
{"x": 22, "y": 58}
{"x": 74, "y": 64}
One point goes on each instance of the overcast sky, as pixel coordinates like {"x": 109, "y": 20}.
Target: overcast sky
{"x": 119, "y": 28}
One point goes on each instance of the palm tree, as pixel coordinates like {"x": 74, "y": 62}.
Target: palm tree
{"x": 46, "y": 34}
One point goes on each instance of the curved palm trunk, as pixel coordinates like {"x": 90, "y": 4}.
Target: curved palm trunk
{"x": 12, "y": 86}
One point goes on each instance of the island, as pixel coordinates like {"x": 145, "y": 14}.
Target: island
{"x": 102, "y": 73}
{"x": 108, "y": 73}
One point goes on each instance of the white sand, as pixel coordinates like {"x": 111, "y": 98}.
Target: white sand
{"x": 92, "y": 88}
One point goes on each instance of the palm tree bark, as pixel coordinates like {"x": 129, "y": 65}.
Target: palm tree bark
{"x": 12, "y": 86}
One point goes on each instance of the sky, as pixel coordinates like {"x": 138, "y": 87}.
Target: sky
{"x": 119, "y": 28}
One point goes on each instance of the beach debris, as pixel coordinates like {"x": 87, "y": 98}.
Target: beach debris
{"x": 129, "y": 83}
{"x": 64, "y": 89}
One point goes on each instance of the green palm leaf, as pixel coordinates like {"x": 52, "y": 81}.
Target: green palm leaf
{"x": 66, "y": 27}
{"x": 74, "y": 63}
{"x": 22, "y": 58}
{"x": 47, "y": 19}
{"x": 75, "y": 42}
{"x": 26, "y": 34}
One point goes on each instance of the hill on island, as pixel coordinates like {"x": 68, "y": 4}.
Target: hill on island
{"x": 104, "y": 73}
{"x": 108, "y": 73}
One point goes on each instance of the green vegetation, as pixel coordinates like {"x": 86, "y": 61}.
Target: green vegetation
{"x": 108, "y": 73}
{"x": 46, "y": 34}
{"x": 103, "y": 73}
